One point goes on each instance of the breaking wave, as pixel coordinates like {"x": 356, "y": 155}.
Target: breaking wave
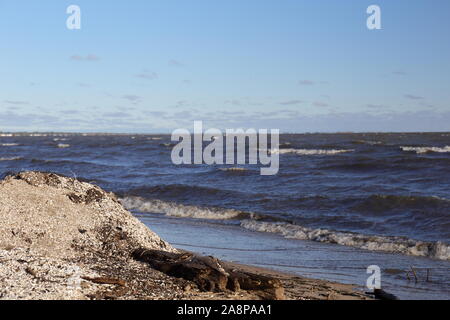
{"x": 11, "y": 159}
{"x": 402, "y": 245}
{"x": 261, "y": 223}
{"x": 168, "y": 145}
{"x": 9, "y": 144}
{"x": 309, "y": 152}
{"x": 421, "y": 150}
{"x": 183, "y": 211}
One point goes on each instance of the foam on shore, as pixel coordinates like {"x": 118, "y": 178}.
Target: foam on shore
{"x": 436, "y": 250}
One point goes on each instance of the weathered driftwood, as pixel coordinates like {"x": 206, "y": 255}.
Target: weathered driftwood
{"x": 210, "y": 274}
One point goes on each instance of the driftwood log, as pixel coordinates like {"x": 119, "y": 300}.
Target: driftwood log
{"x": 210, "y": 274}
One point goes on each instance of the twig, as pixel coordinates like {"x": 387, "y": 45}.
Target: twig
{"x": 414, "y": 273}
{"x": 105, "y": 280}
{"x": 74, "y": 174}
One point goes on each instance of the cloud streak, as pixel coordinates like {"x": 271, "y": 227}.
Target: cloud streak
{"x": 306, "y": 82}
{"x": 147, "y": 75}
{"x": 320, "y": 104}
{"x": 89, "y": 58}
{"x": 175, "y": 63}
{"x": 291, "y": 102}
{"x": 413, "y": 97}
{"x": 17, "y": 103}
{"x": 132, "y": 98}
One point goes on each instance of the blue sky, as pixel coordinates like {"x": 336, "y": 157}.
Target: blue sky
{"x": 154, "y": 66}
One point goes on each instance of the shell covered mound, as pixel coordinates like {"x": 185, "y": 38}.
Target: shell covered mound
{"x": 59, "y": 236}
{"x": 53, "y": 215}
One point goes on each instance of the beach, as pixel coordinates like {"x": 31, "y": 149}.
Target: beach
{"x": 328, "y": 214}
{"x": 236, "y": 150}
{"x": 66, "y": 239}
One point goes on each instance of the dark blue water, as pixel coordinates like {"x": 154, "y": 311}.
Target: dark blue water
{"x": 376, "y": 192}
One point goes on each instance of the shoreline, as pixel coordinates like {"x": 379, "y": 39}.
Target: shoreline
{"x": 65, "y": 239}
{"x": 306, "y": 259}
{"x": 302, "y": 288}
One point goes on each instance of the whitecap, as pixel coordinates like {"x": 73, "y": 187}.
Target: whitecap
{"x": 309, "y": 152}
{"x": 421, "y": 150}
{"x": 402, "y": 245}
{"x": 11, "y": 159}
{"x": 178, "y": 210}
{"x": 9, "y": 144}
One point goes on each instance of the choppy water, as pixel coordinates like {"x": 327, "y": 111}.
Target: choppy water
{"x": 377, "y": 192}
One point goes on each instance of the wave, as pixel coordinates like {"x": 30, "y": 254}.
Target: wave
{"x": 30, "y": 134}
{"x": 383, "y": 203}
{"x": 285, "y": 145}
{"x": 289, "y": 229}
{"x": 76, "y": 165}
{"x": 183, "y": 191}
{"x": 182, "y": 211}
{"x": 361, "y": 165}
{"x": 11, "y": 159}
{"x": 260, "y": 223}
{"x": 168, "y": 145}
{"x": 402, "y": 245}
{"x": 308, "y": 152}
{"x": 236, "y": 170}
{"x": 371, "y": 143}
{"x": 401, "y": 163}
{"x": 9, "y": 144}
{"x": 63, "y": 146}
{"x": 421, "y": 150}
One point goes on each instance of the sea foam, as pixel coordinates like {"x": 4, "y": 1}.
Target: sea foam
{"x": 308, "y": 152}
{"x": 402, "y": 245}
{"x": 11, "y": 159}
{"x": 421, "y": 150}
{"x": 9, "y": 144}
{"x": 178, "y": 210}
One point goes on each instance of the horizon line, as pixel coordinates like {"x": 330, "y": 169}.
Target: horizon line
{"x": 3, "y": 133}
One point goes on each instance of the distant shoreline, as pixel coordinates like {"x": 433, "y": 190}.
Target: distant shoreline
{"x": 49, "y": 133}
